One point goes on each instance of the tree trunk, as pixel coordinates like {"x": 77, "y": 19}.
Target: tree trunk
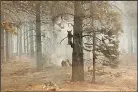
{"x": 130, "y": 42}
{"x": 31, "y": 41}
{"x": 77, "y": 55}
{"x": 2, "y": 45}
{"x": 17, "y": 42}
{"x": 38, "y": 38}
{"x": 20, "y": 43}
{"x": 94, "y": 43}
{"x": 93, "y": 78}
{"x": 135, "y": 42}
{"x": 24, "y": 40}
{"x": 7, "y": 46}
{"x": 10, "y": 45}
{"x": 27, "y": 47}
{"x": 2, "y": 41}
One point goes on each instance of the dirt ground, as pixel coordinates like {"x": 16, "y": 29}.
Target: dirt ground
{"x": 20, "y": 75}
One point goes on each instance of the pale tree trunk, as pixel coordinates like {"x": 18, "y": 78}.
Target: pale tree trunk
{"x": 77, "y": 55}
{"x": 135, "y": 42}
{"x": 130, "y": 42}
{"x": 10, "y": 45}
{"x": 24, "y": 33}
{"x": 31, "y": 40}
{"x": 20, "y": 43}
{"x": 38, "y": 38}
{"x": 27, "y": 47}
{"x": 53, "y": 35}
{"x": 7, "y": 46}
{"x": 17, "y": 41}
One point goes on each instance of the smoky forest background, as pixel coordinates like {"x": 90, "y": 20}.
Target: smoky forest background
{"x": 68, "y": 45}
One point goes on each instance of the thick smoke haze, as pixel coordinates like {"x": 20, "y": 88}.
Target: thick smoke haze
{"x": 129, "y": 15}
{"x": 59, "y": 51}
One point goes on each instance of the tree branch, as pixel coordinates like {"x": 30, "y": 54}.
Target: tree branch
{"x": 63, "y": 39}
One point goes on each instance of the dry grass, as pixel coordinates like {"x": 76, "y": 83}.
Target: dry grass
{"x": 22, "y": 76}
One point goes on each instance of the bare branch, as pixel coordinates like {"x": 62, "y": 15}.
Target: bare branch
{"x": 63, "y": 39}
{"x": 118, "y": 9}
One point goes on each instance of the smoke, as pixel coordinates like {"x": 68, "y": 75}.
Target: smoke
{"x": 61, "y": 51}
{"x": 58, "y": 52}
{"x": 129, "y": 14}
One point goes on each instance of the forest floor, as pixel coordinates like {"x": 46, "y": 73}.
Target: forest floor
{"x": 20, "y": 75}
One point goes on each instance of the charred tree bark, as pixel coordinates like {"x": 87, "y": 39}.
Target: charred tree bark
{"x": 38, "y": 38}
{"x": 77, "y": 55}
